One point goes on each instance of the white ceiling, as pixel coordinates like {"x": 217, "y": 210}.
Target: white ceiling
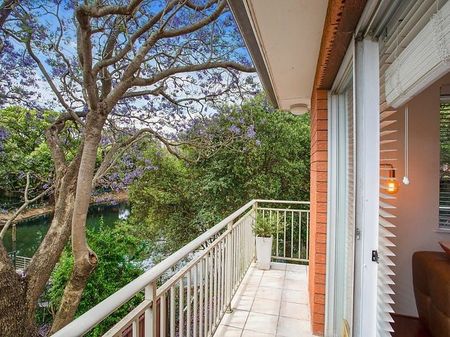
{"x": 289, "y": 34}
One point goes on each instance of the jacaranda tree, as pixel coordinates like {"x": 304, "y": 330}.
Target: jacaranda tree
{"x": 117, "y": 71}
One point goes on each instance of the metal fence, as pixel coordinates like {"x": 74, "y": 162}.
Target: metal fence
{"x": 291, "y": 241}
{"x": 188, "y": 293}
{"x": 20, "y": 262}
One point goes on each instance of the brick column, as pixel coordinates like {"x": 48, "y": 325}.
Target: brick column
{"x": 318, "y": 219}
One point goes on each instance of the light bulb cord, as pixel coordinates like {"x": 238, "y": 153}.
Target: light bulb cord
{"x": 406, "y": 175}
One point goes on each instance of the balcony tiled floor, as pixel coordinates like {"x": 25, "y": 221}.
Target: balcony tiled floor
{"x": 270, "y": 303}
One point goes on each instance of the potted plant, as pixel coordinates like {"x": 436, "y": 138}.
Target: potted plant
{"x": 264, "y": 228}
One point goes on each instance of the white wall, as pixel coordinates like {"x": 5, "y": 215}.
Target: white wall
{"x": 418, "y": 203}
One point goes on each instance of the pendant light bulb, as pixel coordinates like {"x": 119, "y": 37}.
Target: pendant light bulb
{"x": 392, "y": 186}
{"x": 405, "y": 180}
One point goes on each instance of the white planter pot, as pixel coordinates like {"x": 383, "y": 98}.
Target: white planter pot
{"x": 263, "y": 252}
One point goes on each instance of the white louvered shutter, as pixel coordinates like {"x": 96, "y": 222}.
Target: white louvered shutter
{"x": 424, "y": 59}
{"x": 408, "y": 61}
{"x": 388, "y": 160}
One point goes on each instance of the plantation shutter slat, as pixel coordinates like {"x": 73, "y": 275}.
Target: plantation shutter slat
{"x": 424, "y": 59}
{"x": 388, "y": 155}
{"x": 386, "y": 114}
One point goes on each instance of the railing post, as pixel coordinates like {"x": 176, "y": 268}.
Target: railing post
{"x": 229, "y": 268}
{"x": 150, "y": 313}
{"x": 255, "y": 213}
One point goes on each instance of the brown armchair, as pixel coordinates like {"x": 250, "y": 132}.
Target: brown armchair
{"x": 431, "y": 278}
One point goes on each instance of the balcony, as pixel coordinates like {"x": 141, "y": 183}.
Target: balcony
{"x": 269, "y": 303}
{"x": 210, "y": 287}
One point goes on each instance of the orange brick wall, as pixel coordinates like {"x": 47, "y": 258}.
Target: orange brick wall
{"x": 318, "y": 220}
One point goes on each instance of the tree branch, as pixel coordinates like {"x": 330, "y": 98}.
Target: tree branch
{"x": 5, "y": 10}
{"x": 133, "y": 38}
{"x": 84, "y": 47}
{"x": 26, "y": 203}
{"x": 50, "y": 82}
{"x": 191, "y": 68}
{"x": 199, "y": 24}
{"x": 98, "y": 11}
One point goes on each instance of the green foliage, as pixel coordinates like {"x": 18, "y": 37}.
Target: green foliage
{"x": 23, "y": 147}
{"x": 165, "y": 202}
{"x": 261, "y": 153}
{"x": 118, "y": 251}
{"x": 265, "y": 227}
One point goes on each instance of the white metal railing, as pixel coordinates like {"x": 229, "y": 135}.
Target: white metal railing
{"x": 188, "y": 293}
{"x": 20, "y": 262}
{"x": 291, "y": 241}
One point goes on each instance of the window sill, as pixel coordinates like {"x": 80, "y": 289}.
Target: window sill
{"x": 442, "y": 230}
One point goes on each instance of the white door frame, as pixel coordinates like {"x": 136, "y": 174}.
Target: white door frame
{"x": 337, "y": 193}
{"x": 367, "y": 107}
{"x": 362, "y": 59}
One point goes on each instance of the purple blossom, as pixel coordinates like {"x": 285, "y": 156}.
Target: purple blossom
{"x": 131, "y": 176}
{"x": 149, "y": 166}
{"x": 251, "y": 133}
{"x": 3, "y": 134}
{"x": 235, "y": 129}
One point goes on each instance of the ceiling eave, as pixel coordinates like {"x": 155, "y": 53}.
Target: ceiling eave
{"x": 283, "y": 39}
{"x": 242, "y": 19}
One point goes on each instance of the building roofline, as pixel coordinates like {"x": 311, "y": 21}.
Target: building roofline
{"x": 245, "y": 27}
{"x": 340, "y": 24}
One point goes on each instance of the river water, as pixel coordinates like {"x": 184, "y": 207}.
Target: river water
{"x": 30, "y": 233}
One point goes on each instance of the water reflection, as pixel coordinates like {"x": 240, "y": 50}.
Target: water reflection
{"x": 30, "y": 233}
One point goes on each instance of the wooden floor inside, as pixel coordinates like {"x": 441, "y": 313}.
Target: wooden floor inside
{"x": 408, "y": 327}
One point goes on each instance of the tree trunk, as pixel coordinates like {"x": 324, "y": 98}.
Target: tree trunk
{"x": 20, "y": 294}
{"x": 85, "y": 259}
{"x": 13, "y": 317}
{"x": 50, "y": 250}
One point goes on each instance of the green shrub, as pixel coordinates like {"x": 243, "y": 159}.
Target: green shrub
{"x": 119, "y": 252}
{"x": 265, "y": 227}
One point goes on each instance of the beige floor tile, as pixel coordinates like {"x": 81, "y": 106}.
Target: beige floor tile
{"x": 242, "y": 303}
{"x": 248, "y": 290}
{"x": 296, "y": 276}
{"x": 249, "y": 333}
{"x": 296, "y": 267}
{"x": 271, "y": 282}
{"x": 290, "y": 327}
{"x": 278, "y": 266}
{"x": 255, "y": 271}
{"x": 294, "y": 310}
{"x": 252, "y": 280}
{"x": 265, "y": 306}
{"x": 227, "y": 331}
{"x": 295, "y": 296}
{"x": 269, "y": 293}
{"x": 270, "y": 303}
{"x": 274, "y": 273}
{"x": 295, "y": 285}
{"x": 235, "y": 319}
{"x": 261, "y": 323}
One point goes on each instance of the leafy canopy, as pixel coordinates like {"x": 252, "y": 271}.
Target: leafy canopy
{"x": 264, "y": 154}
{"x": 23, "y": 147}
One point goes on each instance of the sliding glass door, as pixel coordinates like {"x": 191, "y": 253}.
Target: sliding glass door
{"x": 342, "y": 210}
